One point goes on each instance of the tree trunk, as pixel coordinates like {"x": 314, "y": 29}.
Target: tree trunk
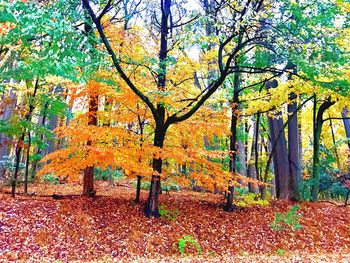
{"x": 41, "y": 121}
{"x": 88, "y": 180}
{"x": 334, "y": 144}
{"x": 280, "y": 158}
{"x": 26, "y": 175}
{"x": 346, "y": 122}
{"x": 229, "y": 207}
{"x": 20, "y": 142}
{"x": 251, "y": 165}
{"x": 151, "y": 207}
{"x": 256, "y": 146}
{"x": 138, "y": 189}
{"x": 293, "y": 149}
{"x": 316, "y": 167}
{"x": 280, "y": 154}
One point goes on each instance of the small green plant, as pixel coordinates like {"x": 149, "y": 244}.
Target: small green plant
{"x": 182, "y": 242}
{"x": 280, "y": 252}
{"x": 287, "y": 220}
{"x": 168, "y": 214}
{"x": 248, "y": 199}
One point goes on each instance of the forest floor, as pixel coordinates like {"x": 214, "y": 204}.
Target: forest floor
{"x": 111, "y": 228}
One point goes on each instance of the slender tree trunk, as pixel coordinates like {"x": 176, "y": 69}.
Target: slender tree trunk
{"x": 26, "y": 175}
{"x": 20, "y": 142}
{"x": 251, "y": 166}
{"x": 316, "y": 167}
{"x": 256, "y": 146}
{"x": 138, "y": 189}
{"x": 346, "y": 122}
{"x": 300, "y": 143}
{"x": 151, "y": 207}
{"x": 139, "y": 177}
{"x": 334, "y": 143}
{"x": 293, "y": 149}
{"x": 39, "y": 151}
{"x": 18, "y": 151}
{"x": 229, "y": 207}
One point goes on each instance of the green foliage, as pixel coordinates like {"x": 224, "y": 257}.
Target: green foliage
{"x": 288, "y": 220}
{"x": 182, "y": 242}
{"x": 51, "y": 178}
{"x": 168, "y": 214}
{"x": 167, "y": 185}
{"x": 105, "y": 174}
{"x": 9, "y": 163}
{"x": 170, "y": 186}
{"x": 244, "y": 198}
{"x": 330, "y": 186}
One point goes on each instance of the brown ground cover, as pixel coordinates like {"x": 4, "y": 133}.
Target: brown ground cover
{"x": 111, "y": 227}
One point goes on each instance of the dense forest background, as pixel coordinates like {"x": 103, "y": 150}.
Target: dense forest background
{"x": 173, "y": 130}
{"x": 207, "y": 95}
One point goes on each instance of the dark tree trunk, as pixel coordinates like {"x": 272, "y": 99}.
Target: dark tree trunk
{"x": 280, "y": 158}
{"x": 293, "y": 149}
{"x": 256, "y": 145}
{"x": 151, "y": 207}
{"x": 88, "y": 180}
{"x": 280, "y": 154}
{"x": 20, "y": 142}
{"x": 346, "y": 122}
{"x": 229, "y": 207}
{"x": 42, "y": 121}
{"x": 26, "y": 175}
{"x": 138, "y": 189}
{"x": 18, "y": 160}
{"x": 316, "y": 167}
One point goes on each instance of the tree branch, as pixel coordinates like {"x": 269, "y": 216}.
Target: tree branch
{"x": 115, "y": 60}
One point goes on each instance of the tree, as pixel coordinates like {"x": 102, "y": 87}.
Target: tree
{"x": 163, "y": 120}
{"x": 34, "y": 57}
